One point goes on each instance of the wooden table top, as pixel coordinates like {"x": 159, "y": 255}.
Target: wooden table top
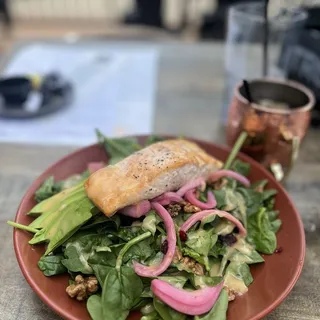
{"x": 189, "y": 99}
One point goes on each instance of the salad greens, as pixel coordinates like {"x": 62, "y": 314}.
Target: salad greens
{"x": 81, "y": 240}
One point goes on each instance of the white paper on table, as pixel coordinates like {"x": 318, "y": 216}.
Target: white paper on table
{"x": 114, "y": 91}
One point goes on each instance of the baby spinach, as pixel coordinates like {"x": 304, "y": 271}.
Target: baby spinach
{"x": 196, "y": 256}
{"x": 94, "y": 307}
{"x": 103, "y": 222}
{"x": 166, "y": 312}
{"x": 121, "y": 292}
{"x": 101, "y": 263}
{"x": 51, "y": 265}
{"x": 118, "y": 148}
{"x": 260, "y": 232}
{"x": 128, "y": 233}
{"x": 79, "y": 250}
{"x": 153, "y": 139}
{"x": 125, "y": 249}
{"x": 259, "y": 185}
{"x": 241, "y": 167}
{"x": 204, "y": 281}
{"x": 240, "y": 271}
{"x": 140, "y": 251}
{"x": 218, "y": 250}
{"x": 220, "y": 196}
{"x": 48, "y": 189}
{"x": 275, "y": 225}
{"x": 201, "y": 241}
{"x": 219, "y": 309}
{"x": 273, "y": 214}
{"x": 150, "y": 222}
{"x": 249, "y": 258}
{"x": 267, "y": 194}
{"x": 253, "y": 200}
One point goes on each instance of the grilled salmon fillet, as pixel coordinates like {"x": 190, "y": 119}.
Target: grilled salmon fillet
{"x": 161, "y": 167}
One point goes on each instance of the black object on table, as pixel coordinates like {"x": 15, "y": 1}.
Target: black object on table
{"x": 54, "y": 93}
{"x": 300, "y": 56}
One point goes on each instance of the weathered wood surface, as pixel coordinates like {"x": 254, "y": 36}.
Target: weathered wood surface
{"x": 188, "y": 102}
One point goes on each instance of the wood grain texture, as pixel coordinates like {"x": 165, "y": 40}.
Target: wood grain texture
{"x": 188, "y": 102}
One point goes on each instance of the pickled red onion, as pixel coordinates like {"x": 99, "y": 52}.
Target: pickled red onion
{"x": 136, "y": 210}
{"x": 229, "y": 173}
{"x": 222, "y": 214}
{"x": 210, "y": 204}
{"x": 153, "y": 271}
{"x": 188, "y": 302}
{"x": 167, "y": 198}
{"x": 95, "y": 166}
{"x": 192, "y": 185}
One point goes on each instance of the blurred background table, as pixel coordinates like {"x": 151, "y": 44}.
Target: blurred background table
{"x": 188, "y": 101}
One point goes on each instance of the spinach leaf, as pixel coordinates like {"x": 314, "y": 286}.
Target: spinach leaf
{"x": 150, "y": 222}
{"x": 128, "y": 233}
{"x": 273, "y": 214}
{"x": 219, "y": 309}
{"x": 275, "y": 225}
{"x": 204, "y": 281}
{"x": 259, "y": 185}
{"x": 153, "y": 316}
{"x": 196, "y": 256}
{"x": 118, "y": 148}
{"x": 231, "y": 200}
{"x": 51, "y": 265}
{"x": 155, "y": 260}
{"x": 121, "y": 292}
{"x": 218, "y": 250}
{"x": 260, "y": 232}
{"x": 101, "y": 220}
{"x": 249, "y": 258}
{"x": 177, "y": 281}
{"x": 94, "y": 307}
{"x": 78, "y": 252}
{"x": 220, "y": 196}
{"x": 238, "y": 271}
{"x": 166, "y": 312}
{"x": 253, "y": 200}
{"x": 140, "y": 251}
{"x": 153, "y": 139}
{"x": 48, "y": 189}
{"x": 101, "y": 263}
{"x": 201, "y": 241}
{"x": 241, "y": 167}
{"x": 180, "y": 219}
{"x": 268, "y": 194}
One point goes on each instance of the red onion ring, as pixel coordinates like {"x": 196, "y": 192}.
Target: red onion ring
{"x": 153, "y": 271}
{"x": 136, "y": 210}
{"x": 192, "y": 185}
{"x": 188, "y": 302}
{"x": 167, "y": 198}
{"x": 210, "y": 204}
{"x": 229, "y": 173}
{"x": 222, "y": 214}
{"x": 95, "y": 166}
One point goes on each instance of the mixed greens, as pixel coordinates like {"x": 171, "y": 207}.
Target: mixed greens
{"x": 99, "y": 252}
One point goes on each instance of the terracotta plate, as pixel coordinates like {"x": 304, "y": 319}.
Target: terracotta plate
{"x": 273, "y": 279}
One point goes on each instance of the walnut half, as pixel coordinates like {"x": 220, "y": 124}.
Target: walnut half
{"x": 82, "y": 288}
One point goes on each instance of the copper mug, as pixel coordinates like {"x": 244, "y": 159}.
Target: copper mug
{"x": 276, "y": 121}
